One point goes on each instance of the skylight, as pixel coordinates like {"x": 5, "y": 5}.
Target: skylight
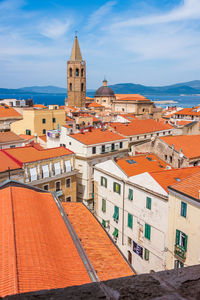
{"x": 177, "y": 179}
{"x": 131, "y": 161}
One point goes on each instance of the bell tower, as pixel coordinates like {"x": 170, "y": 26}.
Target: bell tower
{"x": 76, "y": 77}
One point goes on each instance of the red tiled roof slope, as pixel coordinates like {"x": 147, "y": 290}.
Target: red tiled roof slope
{"x": 7, "y": 162}
{"x": 104, "y": 256}
{"x": 131, "y": 97}
{"x": 7, "y": 111}
{"x": 10, "y": 136}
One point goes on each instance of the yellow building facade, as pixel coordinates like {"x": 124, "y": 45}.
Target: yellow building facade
{"x": 38, "y": 121}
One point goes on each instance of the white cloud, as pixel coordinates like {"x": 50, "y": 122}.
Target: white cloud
{"x": 97, "y": 16}
{"x": 54, "y": 28}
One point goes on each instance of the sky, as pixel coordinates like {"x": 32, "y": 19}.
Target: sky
{"x": 150, "y": 42}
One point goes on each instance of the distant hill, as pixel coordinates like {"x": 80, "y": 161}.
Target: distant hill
{"x": 187, "y": 88}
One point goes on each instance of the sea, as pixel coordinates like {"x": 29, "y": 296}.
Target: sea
{"x": 46, "y": 99}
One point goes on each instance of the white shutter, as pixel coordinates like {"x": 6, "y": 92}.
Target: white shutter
{"x": 45, "y": 171}
{"x": 68, "y": 165}
{"x": 33, "y": 173}
{"x": 57, "y": 168}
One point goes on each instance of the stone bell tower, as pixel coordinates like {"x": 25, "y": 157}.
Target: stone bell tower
{"x": 76, "y": 78}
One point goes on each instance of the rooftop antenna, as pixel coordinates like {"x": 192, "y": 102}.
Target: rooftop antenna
{"x": 76, "y": 32}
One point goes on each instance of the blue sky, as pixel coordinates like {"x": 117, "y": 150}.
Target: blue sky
{"x": 151, "y": 42}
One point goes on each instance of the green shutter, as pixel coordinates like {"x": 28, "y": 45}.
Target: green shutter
{"x": 146, "y": 254}
{"x": 116, "y": 187}
{"x": 148, "y": 202}
{"x": 103, "y": 205}
{"x": 130, "y": 221}
{"x": 101, "y": 180}
{"x": 116, "y": 213}
{"x": 115, "y": 233}
{"x": 147, "y": 231}
{"x": 105, "y": 182}
{"x": 186, "y": 238}
{"x": 183, "y": 209}
{"x": 130, "y": 194}
{"x": 104, "y": 223}
{"x": 177, "y": 236}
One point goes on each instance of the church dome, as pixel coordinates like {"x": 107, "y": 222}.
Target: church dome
{"x": 104, "y": 91}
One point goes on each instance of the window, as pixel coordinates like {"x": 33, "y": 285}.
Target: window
{"x": 70, "y": 87}
{"x": 117, "y": 188}
{"x": 145, "y": 136}
{"x": 195, "y": 163}
{"x": 43, "y": 121}
{"x": 130, "y": 221}
{"x": 165, "y": 157}
{"x": 103, "y": 208}
{"x": 70, "y": 72}
{"x": 103, "y": 148}
{"x": 181, "y": 239}
{"x": 58, "y": 186}
{"x": 146, "y": 254}
{"x": 115, "y": 233}
{"x": 12, "y": 146}
{"x": 68, "y": 199}
{"x": 170, "y": 159}
{"x": 77, "y": 72}
{"x": 82, "y": 72}
{"x": 54, "y": 120}
{"x": 93, "y": 150}
{"x": 103, "y": 181}
{"x": 130, "y": 194}
{"x": 157, "y": 134}
{"x": 183, "y": 209}
{"x": 147, "y": 233}
{"x": 33, "y": 173}
{"x": 45, "y": 171}
{"x": 121, "y": 145}
{"x": 130, "y": 257}
{"x": 148, "y": 203}
{"x": 178, "y": 264}
{"x": 116, "y": 213}
{"x": 68, "y": 182}
{"x": 103, "y": 223}
{"x": 57, "y": 169}
{"x": 82, "y": 87}
{"x": 28, "y": 132}
{"x": 68, "y": 167}
{"x": 129, "y": 241}
{"x": 46, "y": 187}
{"x": 44, "y": 131}
{"x": 138, "y": 137}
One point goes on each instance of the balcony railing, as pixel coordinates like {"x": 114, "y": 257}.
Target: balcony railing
{"x": 180, "y": 252}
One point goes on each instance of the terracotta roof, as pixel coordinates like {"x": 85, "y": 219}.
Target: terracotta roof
{"x": 183, "y": 122}
{"x": 29, "y": 154}
{"x": 189, "y": 186}
{"x": 62, "y": 107}
{"x": 27, "y": 137}
{"x": 95, "y": 104}
{"x": 68, "y": 119}
{"x": 39, "y": 106}
{"x": 8, "y": 112}
{"x": 188, "y": 111}
{"x": 96, "y": 136}
{"x": 169, "y": 177}
{"x": 141, "y": 163}
{"x": 7, "y": 162}
{"x": 131, "y": 97}
{"x": 139, "y": 127}
{"x": 37, "y": 251}
{"x": 89, "y": 98}
{"x": 95, "y": 119}
{"x": 43, "y": 137}
{"x": 190, "y": 144}
{"x": 9, "y": 136}
{"x": 101, "y": 251}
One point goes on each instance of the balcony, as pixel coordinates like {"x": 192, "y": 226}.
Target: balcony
{"x": 59, "y": 193}
{"x": 179, "y": 251}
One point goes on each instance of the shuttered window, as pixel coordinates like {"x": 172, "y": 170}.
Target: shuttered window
{"x": 103, "y": 205}
{"x": 33, "y": 173}
{"x": 116, "y": 213}
{"x": 147, "y": 233}
{"x": 183, "y": 209}
{"x": 103, "y": 181}
{"x": 104, "y": 223}
{"x": 181, "y": 239}
{"x": 115, "y": 233}
{"x": 116, "y": 187}
{"x": 130, "y": 221}
{"x": 57, "y": 168}
{"x": 148, "y": 203}
{"x": 45, "y": 171}
{"x": 130, "y": 194}
{"x": 146, "y": 254}
{"x": 68, "y": 166}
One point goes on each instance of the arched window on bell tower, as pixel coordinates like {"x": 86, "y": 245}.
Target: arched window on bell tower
{"x": 70, "y": 72}
{"x": 82, "y": 87}
{"x": 70, "y": 87}
{"x": 82, "y": 71}
{"x": 77, "y": 72}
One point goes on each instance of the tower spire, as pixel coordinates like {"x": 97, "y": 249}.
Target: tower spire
{"x": 76, "y": 52}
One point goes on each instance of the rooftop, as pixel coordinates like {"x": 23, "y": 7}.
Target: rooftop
{"x": 95, "y": 104}
{"x": 7, "y": 162}
{"x": 39, "y": 106}
{"x": 169, "y": 177}
{"x": 189, "y": 186}
{"x": 188, "y": 143}
{"x": 188, "y": 111}
{"x": 27, "y": 137}
{"x": 97, "y": 136}
{"x": 139, "y": 127}
{"x": 131, "y": 97}
{"x": 103, "y": 254}
{"x": 8, "y": 111}
{"x": 37, "y": 251}
{"x": 9, "y": 136}
{"x": 29, "y": 154}
{"x": 134, "y": 165}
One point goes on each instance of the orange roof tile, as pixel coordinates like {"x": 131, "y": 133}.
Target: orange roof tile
{"x": 139, "y": 127}
{"x": 96, "y": 136}
{"x": 29, "y": 154}
{"x": 169, "y": 177}
{"x": 27, "y": 137}
{"x": 68, "y": 119}
{"x": 189, "y": 186}
{"x": 37, "y": 251}
{"x": 190, "y": 144}
{"x": 43, "y": 137}
{"x": 183, "y": 122}
{"x": 7, "y": 162}
{"x": 39, "y": 106}
{"x": 101, "y": 251}
{"x": 9, "y": 136}
{"x": 188, "y": 111}
{"x": 131, "y": 97}
{"x": 8, "y": 112}
{"x": 95, "y": 104}
{"x": 143, "y": 163}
